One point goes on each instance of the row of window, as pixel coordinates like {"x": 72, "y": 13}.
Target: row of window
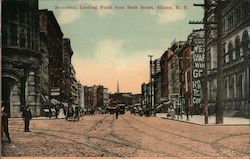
{"x": 236, "y": 16}
{"x": 231, "y": 90}
{"x": 234, "y": 50}
{"x": 23, "y": 39}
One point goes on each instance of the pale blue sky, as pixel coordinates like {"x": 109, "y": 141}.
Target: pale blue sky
{"x": 111, "y": 45}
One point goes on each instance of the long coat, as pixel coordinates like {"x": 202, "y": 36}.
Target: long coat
{"x": 27, "y": 114}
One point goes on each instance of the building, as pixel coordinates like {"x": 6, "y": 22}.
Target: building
{"x": 74, "y": 86}
{"x": 236, "y": 50}
{"x": 102, "y": 97}
{"x": 67, "y": 73}
{"x": 144, "y": 101}
{"x": 174, "y": 80}
{"x": 157, "y": 81}
{"x": 235, "y": 67}
{"x": 211, "y": 60}
{"x": 164, "y": 75}
{"x": 50, "y": 27}
{"x": 21, "y": 58}
{"x": 121, "y": 98}
{"x": 88, "y": 97}
{"x": 80, "y": 96}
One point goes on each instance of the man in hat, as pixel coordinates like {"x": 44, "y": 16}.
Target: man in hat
{"x": 27, "y": 117}
{"x": 5, "y": 122}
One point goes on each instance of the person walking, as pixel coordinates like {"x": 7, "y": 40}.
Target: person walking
{"x": 5, "y": 122}
{"x": 27, "y": 117}
{"x": 117, "y": 112}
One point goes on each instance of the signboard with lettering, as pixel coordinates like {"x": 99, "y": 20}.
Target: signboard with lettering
{"x": 198, "y": 65}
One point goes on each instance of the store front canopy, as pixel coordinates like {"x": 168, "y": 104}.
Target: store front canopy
{"x": 65, "y": 104}
{"x": 45, "y": 100}
{"x": 54, "y": 101}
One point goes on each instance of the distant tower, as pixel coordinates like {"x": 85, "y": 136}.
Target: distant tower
{"x": 117, "y": 86}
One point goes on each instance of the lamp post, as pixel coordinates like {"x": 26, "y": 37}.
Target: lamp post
{"x": 151, "y": 83}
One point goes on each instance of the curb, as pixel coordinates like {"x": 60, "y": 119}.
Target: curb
{"x": 188, "y": 122}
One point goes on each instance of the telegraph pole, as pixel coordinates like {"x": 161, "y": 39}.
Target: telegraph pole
{"x": 151, "y": 83}
{"x": 206, "y": 25}
{"x": 219, "y": 96}
{"x": 205, "y": 93}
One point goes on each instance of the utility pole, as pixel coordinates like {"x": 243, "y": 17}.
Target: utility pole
{"x": 206, "y": 24}
{"x": 151, "y": 83}
{"x": 207, "y": 27}
{"x": 219, "y": 97}
{"x": 205, "y": 93}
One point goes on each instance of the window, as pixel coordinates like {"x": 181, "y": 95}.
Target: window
{"x": 237, "y": 46}
{"x": 239, "y": 85}
{"x": 245, "y": 10}
{"x": 224, "y": 52}
{"x": 13, "y": 34}
{"x": 5, "y": 37}
{"x": 22, "y": 16}
{"x": 230, "y": 51}
{"x": 231, "y": 88}
{"x": 245, "y": 42}
{"x": 237, "y": 16}
{"x": 13, "y": 14}
{"x": 22, "y": 40}
{"x": 225, "y": 89}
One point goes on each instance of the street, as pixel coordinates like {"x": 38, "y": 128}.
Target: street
{"x": 127, "y": 136}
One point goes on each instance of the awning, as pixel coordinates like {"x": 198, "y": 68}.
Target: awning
{"x": 159, "y": 106}
{"x": 44, "y": 100}
{"x": 65, "y": 104}
{"x": 54, "y": 101}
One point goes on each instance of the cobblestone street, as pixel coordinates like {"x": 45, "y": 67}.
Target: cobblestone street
{"x": 128, "y": 136}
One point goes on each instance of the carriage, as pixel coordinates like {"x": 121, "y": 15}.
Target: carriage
{"x": 73, "y": 113}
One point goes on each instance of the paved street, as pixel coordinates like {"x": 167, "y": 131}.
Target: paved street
{"x": 128, "y": 136}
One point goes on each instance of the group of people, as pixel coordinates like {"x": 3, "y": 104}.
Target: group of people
{"x": 5, "y": 114}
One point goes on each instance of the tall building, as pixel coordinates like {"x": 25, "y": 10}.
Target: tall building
{"x": 164, "y": 75}
{"x": 236, "y": 50}
{"x": 102, "y": 97}
{"x": 50, "y": 27}
{"x": 67, "y": 74}
{"x": 235, "y": 67}
{"x": 21, "y": 58}
{"x": 157, "y": 81}
{"x": 74, "y": 86}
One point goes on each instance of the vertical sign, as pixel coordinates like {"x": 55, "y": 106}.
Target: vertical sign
{"x": 198, "y": 65}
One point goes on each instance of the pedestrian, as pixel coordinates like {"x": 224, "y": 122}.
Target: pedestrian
{"x": 5, "y": 121}
{"x": 117, "y": 112}
{"x": 27, "y": 117}
{"x": 57, "y": 107}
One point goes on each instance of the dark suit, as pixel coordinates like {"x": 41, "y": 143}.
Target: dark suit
{"x": 27, "y": 117}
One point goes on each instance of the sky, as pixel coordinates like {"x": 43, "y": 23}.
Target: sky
{"x": 113, "y": 45}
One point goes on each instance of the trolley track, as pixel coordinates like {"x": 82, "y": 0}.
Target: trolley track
{"x": 167, "y": 143}
{"x": 124, "y": 142}
{"x": 215, "y": 145}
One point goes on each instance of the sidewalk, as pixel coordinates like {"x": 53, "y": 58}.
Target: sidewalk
{"x": 200, "y": 119}
{"x": 36, "y": 118}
